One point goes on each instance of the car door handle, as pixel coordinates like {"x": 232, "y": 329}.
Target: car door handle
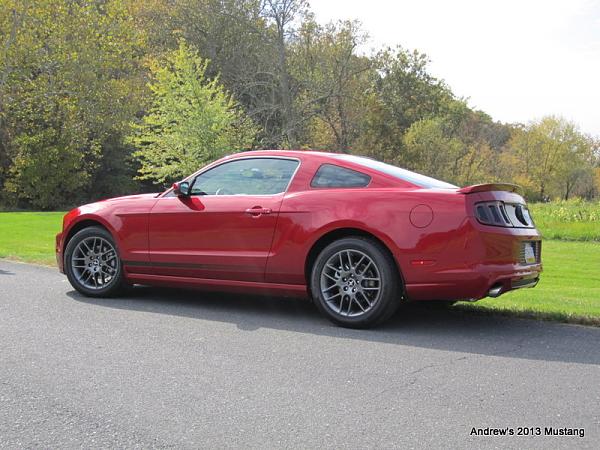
{"x": 258, "y": 211}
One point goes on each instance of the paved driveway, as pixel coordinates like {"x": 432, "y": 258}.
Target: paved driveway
{"x": 168, "y": 368}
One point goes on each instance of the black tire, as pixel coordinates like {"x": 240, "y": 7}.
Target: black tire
{"x": 117, "y": 282}
{"x": 388, "y": 296}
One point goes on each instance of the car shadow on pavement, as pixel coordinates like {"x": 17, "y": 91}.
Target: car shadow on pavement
{"x": 449, "y": 330}
{"x": 6, "y": 272}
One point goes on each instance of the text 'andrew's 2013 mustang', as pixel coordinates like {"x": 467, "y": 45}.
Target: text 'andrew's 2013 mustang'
{"x": 357, "y": 235}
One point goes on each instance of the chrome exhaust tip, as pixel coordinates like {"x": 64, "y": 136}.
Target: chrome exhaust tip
{"x": 495, "y": 291}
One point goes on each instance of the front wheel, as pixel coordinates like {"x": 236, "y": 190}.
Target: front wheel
{"x": 92, "y": 263}
{"x": 355, "y": 283}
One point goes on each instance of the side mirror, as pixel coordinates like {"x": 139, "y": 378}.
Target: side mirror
{"x": 181, "y": 189}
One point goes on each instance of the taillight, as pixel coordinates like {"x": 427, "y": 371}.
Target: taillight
{"x": 523, "y": 215}
{"x": 502, "y": 214}
{"x": 492, "y": 213}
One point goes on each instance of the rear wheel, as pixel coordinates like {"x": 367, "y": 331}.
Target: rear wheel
{"x": 92, "y": 263}
{"x": 355, "y": 283}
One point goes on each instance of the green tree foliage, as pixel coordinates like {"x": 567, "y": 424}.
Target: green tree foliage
{"x": 246, "y": 42}
{"x": 402, "y": 92}
{"x": 192, "y": 120}
{"x": 430, "y": 147}
{"x": 332, "y": 82}
{"x": 408, "y": 91}
{"x": 550, "y": 158}
{"x": 462, "y": 146}
{"x": 75, "y": 101}
{"x": 70, "y": 87}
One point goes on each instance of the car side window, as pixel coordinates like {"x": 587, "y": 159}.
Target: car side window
{"x": 249, "y": 176}
{"x": 332, "y": 176}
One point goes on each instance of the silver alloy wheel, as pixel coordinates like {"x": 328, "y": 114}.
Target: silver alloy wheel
{"x": 94, "y": 263}
{"x": 350, "y": 283}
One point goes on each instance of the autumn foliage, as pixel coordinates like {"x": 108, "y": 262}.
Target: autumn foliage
{"x": 104, "y": 97}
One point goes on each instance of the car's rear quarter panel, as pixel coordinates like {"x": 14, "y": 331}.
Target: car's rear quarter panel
{"x": 454, "y": 257}
{"x": 478, "y": 257}
{"x": 385, "y": 213}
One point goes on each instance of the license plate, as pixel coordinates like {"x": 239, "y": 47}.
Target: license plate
{"x": 529, "y": 253}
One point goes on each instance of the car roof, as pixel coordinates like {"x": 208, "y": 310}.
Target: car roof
{"x": 290, "y": 153}
{"x": 328, "y": 157}
{"x": 356, "y": 162}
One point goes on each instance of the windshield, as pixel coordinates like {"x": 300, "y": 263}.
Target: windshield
{"x": 397, "y": 172}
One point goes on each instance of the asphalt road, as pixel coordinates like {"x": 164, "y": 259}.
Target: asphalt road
{"x": 169, "y": 368}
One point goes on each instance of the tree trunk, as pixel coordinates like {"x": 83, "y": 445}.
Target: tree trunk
{"x": 286, "y": 95}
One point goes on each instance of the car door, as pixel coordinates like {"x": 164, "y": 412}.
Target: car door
{"x": 224, "y": 229}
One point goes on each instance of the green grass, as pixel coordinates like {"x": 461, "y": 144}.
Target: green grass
{"x": 29, "y": 236}
{"x": 569, "y": 289}
{"x": 573, "y": 220}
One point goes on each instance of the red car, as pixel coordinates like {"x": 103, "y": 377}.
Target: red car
{"x": 357, "y": 235}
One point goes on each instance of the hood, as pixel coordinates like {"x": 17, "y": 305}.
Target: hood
{"x": 129, "y": 197}
{"x": 111, "y": 202}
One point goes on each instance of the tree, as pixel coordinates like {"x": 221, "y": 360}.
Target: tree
{"x": 10, "y": 22}
{"x": 402, "y": 93}
{"x": 71, "y": 87}
{"x": 547, "y": 157}
{"x": 242, "y": 42}
{"x": 283, "y": 13}
{"x": 192, "y": 120}
{"x": 75, "y": 102}
{"x": 432, "y": 148}
{"x": 429, "y": 150}
{"x": 333, "y": 81}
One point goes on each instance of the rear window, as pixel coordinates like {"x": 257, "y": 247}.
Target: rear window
{"x": 332, "y": 176}
{"x": 397, "y": 172}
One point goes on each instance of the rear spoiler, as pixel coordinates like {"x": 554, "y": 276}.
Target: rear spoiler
{"x": 491, "y": 187}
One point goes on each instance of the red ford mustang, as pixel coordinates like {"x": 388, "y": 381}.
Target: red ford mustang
{"x": 359, "y": 236}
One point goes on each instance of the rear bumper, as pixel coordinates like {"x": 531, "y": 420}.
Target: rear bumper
{"x": 478, "y": 262}
{"x": 475, "y": 283}
{"x": 500, "y": 288}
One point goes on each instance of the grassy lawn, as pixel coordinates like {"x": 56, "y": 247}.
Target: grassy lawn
{"x": 29, "y": 236}
{"x": 569, "y": 289}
